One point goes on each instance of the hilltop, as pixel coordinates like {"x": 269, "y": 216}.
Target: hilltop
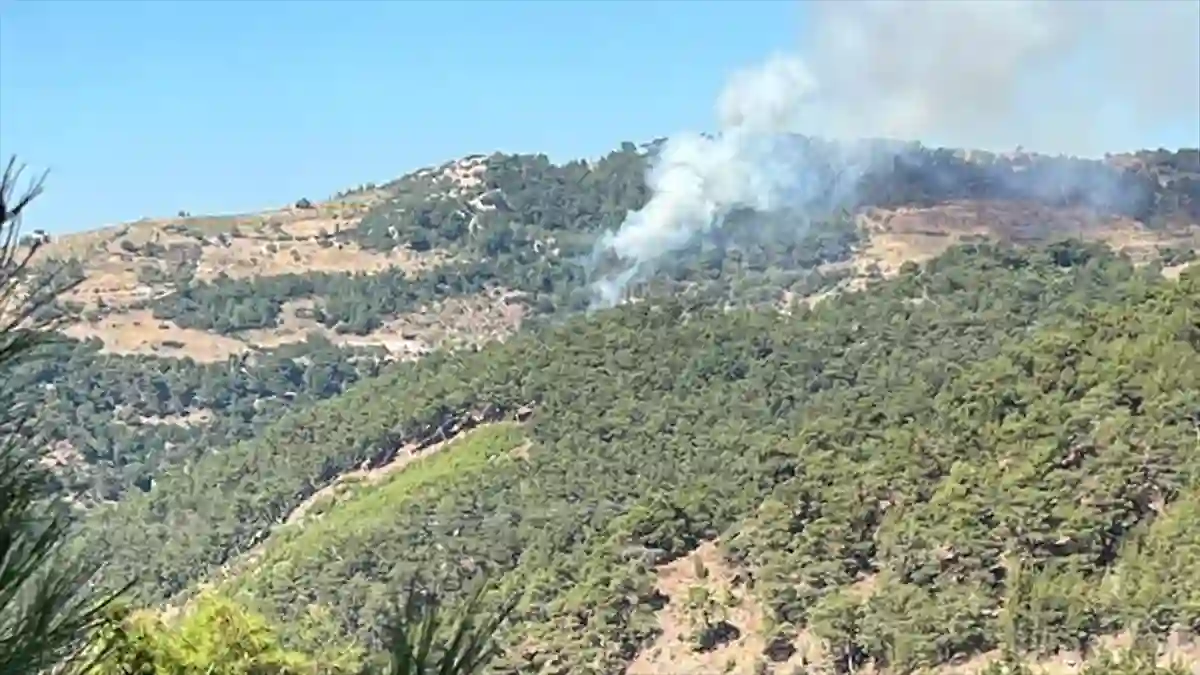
{"x": 463, "y": 251}
{"x": 132, "y": 272}
{"x": 947, "y": 423}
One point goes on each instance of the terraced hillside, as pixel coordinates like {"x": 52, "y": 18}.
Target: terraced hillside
{"x": 992, "y": 436}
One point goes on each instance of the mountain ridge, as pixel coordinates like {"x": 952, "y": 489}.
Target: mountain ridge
{"x": 133, "y": 271}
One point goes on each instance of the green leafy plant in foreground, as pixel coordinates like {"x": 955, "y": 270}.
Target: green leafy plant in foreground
{"x": 215, "y": 635}
{"x": 425, "y": 639}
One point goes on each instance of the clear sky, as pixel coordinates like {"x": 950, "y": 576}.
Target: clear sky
{"x": 144, "y": 108}
{"x": 148, "y": 107}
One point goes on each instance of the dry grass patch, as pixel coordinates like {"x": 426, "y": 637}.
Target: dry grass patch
{"x": 315, "y": 227}
{"x": 138, "y": 332}
{"x": 103, "y": 242}
{"x": 246, "y": 258}
{"x": 113, "y": 286}
{"x": 112, "y": 255}
{"x": 896, "y": 236}
{"x": 294, "y": 327}
{"x": 452, "y": 322}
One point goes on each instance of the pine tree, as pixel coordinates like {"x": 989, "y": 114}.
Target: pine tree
{"x": 47, "y": 610}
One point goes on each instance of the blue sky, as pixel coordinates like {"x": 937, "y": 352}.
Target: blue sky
{"x": 148, "y": 107}
{"x": 144, "y": 108}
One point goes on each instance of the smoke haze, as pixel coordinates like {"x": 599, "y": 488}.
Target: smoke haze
{"x": 1059, "y": 77}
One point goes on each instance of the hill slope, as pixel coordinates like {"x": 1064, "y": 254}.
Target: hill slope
{"x": 364, "y": 266}
{"x": 1000, "y": 442}
{"x": 852, "y": 475}
{"x": 193, "y": 333}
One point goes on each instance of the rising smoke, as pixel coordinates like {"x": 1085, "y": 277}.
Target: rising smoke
{"x": 1057, "y": 76}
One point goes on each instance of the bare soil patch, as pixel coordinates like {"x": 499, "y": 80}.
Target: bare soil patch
{"x": 138, "y": 332}
{"x": 1173, "y": 272}
{"x": 245, "y": 258}
{"x": 674, "y": 651}
{"x": 915, "y": 234}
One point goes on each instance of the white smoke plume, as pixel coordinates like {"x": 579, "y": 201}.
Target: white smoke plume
{"x": 1055, "y": 76}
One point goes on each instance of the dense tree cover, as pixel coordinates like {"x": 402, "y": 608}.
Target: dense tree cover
{"x": 529, "y": 225}
{"x": 355, "y": 303}
{"x": 116, "y": 420}
{"x": 1001, "y": 443}
{"x": 523, "y": 200}
{"x": 51, "y": 617}
{"x": 363, "y": 520}
{"x": 978, "y": 440}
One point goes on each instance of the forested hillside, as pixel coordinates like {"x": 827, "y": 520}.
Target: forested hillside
{"x": 951, "y": 423}
{"x": 995, "y": 452}
{"x": 193, "y": 333}
{"x": 114, "y": 421}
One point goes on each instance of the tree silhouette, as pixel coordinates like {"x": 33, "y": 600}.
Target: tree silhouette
{"x": 47, "y": 609}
